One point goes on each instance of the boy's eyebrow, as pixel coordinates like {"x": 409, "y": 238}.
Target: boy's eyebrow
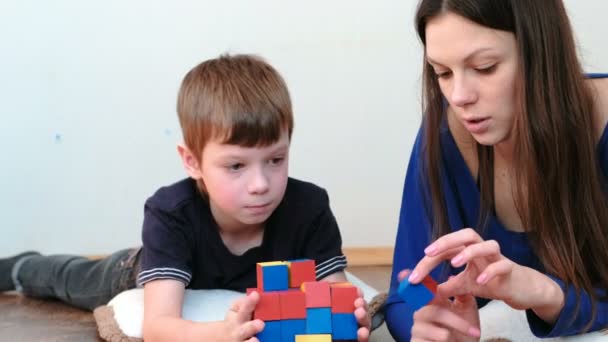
{"x": 466, "y": 59}
{"x": 236, "y": 155}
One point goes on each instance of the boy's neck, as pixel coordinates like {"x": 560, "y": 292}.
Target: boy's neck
{"x": 241, "y": 240}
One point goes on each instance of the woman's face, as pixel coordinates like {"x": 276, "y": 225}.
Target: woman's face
{"x": 476, "y": 68}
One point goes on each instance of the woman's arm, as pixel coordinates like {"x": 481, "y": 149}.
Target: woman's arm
{"x": 413, "y": 235}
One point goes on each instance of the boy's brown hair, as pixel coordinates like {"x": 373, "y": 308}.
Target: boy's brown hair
{"x": 239, "y": 100}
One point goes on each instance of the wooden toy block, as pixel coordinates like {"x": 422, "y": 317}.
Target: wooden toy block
{"x": 271, "y": 332}
{"x": 313, "y": 338}
{"x": 272, "y": 276}
{"x": 343, "y": 298}
{"x": 292, "y": 327}
{"x": 301, "y": 271}
{"x": 430, "y": 284}
{"x": 317, "y": 293}
{"x": 293, "y": 304}
{"x": 269, "y": 307}
{"x": 318, "y": 320}
{"x": 344, "y": 326}
{"x": 418, "y": 295}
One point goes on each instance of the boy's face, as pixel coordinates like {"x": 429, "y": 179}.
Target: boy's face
{"x": 244, "y": 184}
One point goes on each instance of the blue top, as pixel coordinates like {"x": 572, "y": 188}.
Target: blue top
{"x": 462, "y": 203}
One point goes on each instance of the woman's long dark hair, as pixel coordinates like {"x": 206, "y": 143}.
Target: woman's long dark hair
{"x": 558, "y": 186}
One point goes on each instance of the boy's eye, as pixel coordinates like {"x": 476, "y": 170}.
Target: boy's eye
{"x": 235, "y": 166}
{"x": 277, "y": 161}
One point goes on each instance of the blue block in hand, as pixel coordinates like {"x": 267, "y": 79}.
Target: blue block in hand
{"x": 292, "y": 327}
{"x": 318, "y": 321}
{"x": 271, "y": 332}
{"x": 344, "y": 326}
{"x": 276, "y": 277}
{"x": 415, "y": 295}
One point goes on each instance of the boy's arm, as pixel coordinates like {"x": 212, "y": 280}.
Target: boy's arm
{"x": 163, "y": 300}
{"x": 338, "y": 277}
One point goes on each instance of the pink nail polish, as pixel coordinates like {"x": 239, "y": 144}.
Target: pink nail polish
{"x": 430, "y": 250}
{"x": 457, "y": 260}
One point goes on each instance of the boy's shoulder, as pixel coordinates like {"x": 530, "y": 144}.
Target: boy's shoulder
{"x": 300, "y": 192}
{"x": 171, "y": 197}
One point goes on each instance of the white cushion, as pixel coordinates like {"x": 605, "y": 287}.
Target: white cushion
{"x": 199, "y": 305}
{"x": 500, "y": 320}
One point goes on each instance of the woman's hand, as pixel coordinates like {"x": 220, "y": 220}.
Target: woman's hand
{"x": 446, "y": 320}
{"x": 489, "y": 274}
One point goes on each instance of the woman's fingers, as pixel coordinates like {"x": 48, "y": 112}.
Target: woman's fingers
{"x": 428, "y": 263}
{"x": 489, "y": 249}
{"x": 493, "y": 270}
{"x": 463, "y": 237}
{"x": 444, "y": 317}
{"x": 427, "y": 331}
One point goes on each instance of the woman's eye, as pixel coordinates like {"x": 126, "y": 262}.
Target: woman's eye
{"x": 487, "y": 70}
{"x": 444, "y": 74}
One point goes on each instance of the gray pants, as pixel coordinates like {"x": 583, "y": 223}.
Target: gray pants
{"x": 78, "y": 281}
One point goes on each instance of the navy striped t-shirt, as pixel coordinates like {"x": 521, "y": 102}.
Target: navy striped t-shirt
{"x": 181, "y": 240}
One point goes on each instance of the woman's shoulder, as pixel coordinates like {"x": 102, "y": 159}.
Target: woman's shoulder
{"x": 600, "y": 96}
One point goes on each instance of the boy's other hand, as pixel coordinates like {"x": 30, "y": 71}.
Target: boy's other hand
{"x": 363, "y": 318}
{"x": 238, "y": 325}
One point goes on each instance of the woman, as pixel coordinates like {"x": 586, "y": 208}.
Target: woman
{"x": 508, "y": 177}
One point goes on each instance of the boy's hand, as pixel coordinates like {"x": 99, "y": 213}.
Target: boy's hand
{"x": 238, "y": 325}
{"x": 363, "y": 318}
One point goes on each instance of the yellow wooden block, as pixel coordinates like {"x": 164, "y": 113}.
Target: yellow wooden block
{"x": 313, "y": 338}
{"x": 273, "y": 263}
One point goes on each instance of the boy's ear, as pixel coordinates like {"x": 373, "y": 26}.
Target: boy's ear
{"x": 190, "y": 162}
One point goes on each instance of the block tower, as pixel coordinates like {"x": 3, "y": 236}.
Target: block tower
{"x": 297, "y": 308}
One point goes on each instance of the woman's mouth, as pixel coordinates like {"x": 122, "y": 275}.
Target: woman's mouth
{"x": 477, "y": 125}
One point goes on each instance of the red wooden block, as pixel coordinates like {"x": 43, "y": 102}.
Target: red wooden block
{"x": 269, "y": 307}
{"x": 317, "y": 294}
{"x": 430, "y": 284}
{"x": 293, "y": 304}
{"x": 301, "y": 271}
{"x": 259, "y": 277}
{"x": 343, "y": 299}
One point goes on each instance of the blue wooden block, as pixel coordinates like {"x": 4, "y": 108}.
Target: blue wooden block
{"x": 292, "y": 327}
{"x": 318, "y": 321}
{"x": 271, "y": 332}
{"x": 344, "y": 326}
{"x": 276, "y": 277}
{"x": 415, "y": 295}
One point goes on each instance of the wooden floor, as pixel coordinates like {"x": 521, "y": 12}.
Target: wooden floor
{"x": 24, "y": 319}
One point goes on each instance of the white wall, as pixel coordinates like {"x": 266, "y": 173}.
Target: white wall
{"x": 87, "y": 106}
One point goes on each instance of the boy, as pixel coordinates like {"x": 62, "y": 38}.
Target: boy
{"x": 237, "y": 208}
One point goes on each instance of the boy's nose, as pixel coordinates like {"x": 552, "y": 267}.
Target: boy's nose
{"x": 258, "y": 183}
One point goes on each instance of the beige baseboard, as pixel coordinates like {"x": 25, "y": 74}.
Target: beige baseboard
{"x": 369, "y": 256}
